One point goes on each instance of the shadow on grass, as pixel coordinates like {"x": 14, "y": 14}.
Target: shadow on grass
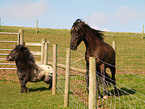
{"x": 123, "y": 91}
{"x": 37, "y": 89}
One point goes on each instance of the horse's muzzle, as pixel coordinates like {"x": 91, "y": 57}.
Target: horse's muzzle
{"x": 8, "y": 58}
{"x": 73, "y": 48}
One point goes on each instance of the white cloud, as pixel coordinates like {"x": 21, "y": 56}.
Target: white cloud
{"x": 128, "y": 14}
{"x": 98, "y": 20}
{"x": 23, "y": 10}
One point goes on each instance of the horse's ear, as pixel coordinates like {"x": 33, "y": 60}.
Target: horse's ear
{"x": 21, "y": 47}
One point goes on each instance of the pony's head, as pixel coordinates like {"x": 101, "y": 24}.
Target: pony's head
{"x": 77, "y": 34}
{"x": 19, "y": 52}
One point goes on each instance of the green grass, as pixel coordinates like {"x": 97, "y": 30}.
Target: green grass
{"x": 38, "y": 98}
{"x": 130, "y": 56}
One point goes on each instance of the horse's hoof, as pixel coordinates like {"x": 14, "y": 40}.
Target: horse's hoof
{"x": 87, "y": 90}
{"x": 116, "y": 94}
{"x": 99, "y": 97}
{"x": 105, "y": 97}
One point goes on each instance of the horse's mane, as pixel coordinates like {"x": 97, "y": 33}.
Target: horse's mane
{"x": 24, "y": 53}
{"x": 81, "y": 25}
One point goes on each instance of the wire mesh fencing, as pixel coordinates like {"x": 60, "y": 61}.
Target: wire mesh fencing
{"x": 130, "y": 80}
{"x": 130, "y": 86}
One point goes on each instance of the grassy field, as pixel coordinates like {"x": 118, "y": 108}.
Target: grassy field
{"x": 130, "y": 54}
{"x": 38, "y": 98}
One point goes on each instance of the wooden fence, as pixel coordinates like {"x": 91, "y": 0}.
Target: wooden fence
{"x": 4, "y": 54}
{"x": 20, "y": 41}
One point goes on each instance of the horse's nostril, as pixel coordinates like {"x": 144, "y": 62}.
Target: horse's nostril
{"x": 8, "y": 58}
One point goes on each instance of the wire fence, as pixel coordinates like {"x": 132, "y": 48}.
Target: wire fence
{"x": 130, "y": 77}
{"x": 130, "y": 80}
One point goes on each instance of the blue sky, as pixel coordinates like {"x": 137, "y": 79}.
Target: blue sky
{"x": 107, "y": 15}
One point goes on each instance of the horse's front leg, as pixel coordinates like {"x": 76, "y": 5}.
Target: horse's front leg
{"x": 103, "y": 70}
{"x": 98, "y": 82}
{"x": 113, "y": 70}
{"x": 87, "y": 77}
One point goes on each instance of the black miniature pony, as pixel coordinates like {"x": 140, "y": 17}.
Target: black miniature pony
{"x": 95, "y": 47}
{"x": 27, "y": 69}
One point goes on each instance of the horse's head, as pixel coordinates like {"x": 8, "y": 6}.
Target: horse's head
{"x": 77, "y": 34}
{"x": 15, "y": 53}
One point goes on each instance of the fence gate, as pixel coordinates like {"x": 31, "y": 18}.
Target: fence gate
{"x": 4, "y": 37}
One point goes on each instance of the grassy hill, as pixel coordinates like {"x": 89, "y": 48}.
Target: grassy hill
{"x": 130, "y": 57}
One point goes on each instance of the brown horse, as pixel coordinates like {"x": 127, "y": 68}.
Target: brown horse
{"x": 95, "y": 47}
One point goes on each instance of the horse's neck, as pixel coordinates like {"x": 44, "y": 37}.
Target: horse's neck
{"x": 91, "y": 42}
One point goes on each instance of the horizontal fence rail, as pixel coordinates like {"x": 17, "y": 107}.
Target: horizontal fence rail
{"x": 5, "y": 54}
{"x": 20, "y": 40}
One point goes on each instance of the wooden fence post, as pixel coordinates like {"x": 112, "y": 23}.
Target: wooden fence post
{"x": 92, "y": 83}
{"x": 114, "y": 45}
{"x": 142, "y": 31}
{"x": 54, "y": 69}
{"x": 36, "y": 26}
{"x": 46, "y": 53}
{"x": 42, "y": 50}
{"x": 21, "y": 32}
{"x": 67, "y": 79}
{"x": 0, "y": 24}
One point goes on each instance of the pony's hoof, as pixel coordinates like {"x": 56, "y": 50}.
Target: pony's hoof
{"x": 49, "y": 88}
{"x": 27, "y": 91}
{"x": 105, "y": 97}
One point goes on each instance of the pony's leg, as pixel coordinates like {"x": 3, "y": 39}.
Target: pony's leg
{"x": 23, "y": 82}
{"x": 48, "y": 80}
{"x": 22, "y": 86}
{"x": 50, "y": 86}
{"x": 113, "y": 70}
{"x": 103, "y": 71}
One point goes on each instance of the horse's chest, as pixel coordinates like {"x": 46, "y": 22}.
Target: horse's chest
{"x": 92, "y": 54}
{"x": 89, "y": 54}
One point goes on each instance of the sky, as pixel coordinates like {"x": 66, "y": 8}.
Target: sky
{"x": 105, "y": 15}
